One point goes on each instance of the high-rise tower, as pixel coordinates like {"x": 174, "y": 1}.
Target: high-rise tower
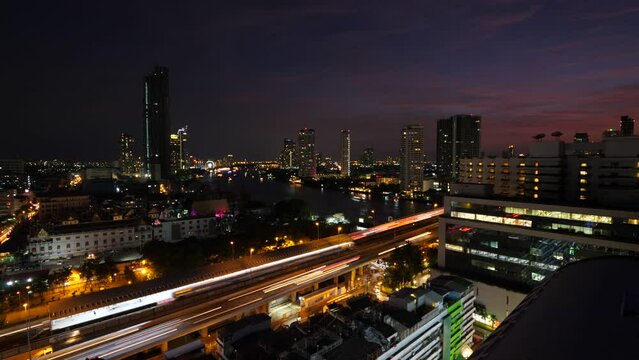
{"x": 306, "y": 153}
{"x": 127, "y": 160}
{"x": 345, "y": 153}
{"x": 157, "y": 123}
{"x": 174, "y": 153}
{"x": 287, "y": 158}
{"x": 457, "y": 137}
{"x": 183, "y": 136}
{"x": 411, "y": 157}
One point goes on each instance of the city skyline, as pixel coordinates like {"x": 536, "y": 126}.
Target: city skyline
{"x": 318, "y": 180}
{"x": 536, "y": 68}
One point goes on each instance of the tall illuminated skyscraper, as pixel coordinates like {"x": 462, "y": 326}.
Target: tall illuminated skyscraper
{"x": 345, "y": 153}
{"x": 287, "y": 154}
{"x": 174, "y": 153}
{"x": 411, "y": 158}
{"x": 306, "y": 153}
{"x": 157, "y": 123}
{"x": 457, "y": 137}
{"x": 183, "y": 136}
{"x": 127, "y": 160}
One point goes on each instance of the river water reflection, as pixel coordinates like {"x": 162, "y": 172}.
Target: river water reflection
{"x": 324, "y": 202}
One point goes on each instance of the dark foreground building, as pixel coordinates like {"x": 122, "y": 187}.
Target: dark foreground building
{"x": 586, "y": 310}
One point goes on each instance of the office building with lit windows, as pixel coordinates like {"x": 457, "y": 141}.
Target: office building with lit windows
{"x": 286, "y": 158}
{"x": 127, "y": 158}
{"x": 518, "y": 243}
{"x": 368, "y": 157}
{"x": 183, "y": 136}
{"x": 345, "y": 153}
{"x": 12, "y": 175}
{"x": 411, "y": 158}
{"x": 458, "y": 137}
{"x": 603, "y": 173}
{"x": 307, "y": 158}
{"x": 174, "y": 153}
{"x": 157, "y": 124}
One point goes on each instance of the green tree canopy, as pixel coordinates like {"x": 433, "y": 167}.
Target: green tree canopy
{"x": 403, "y": 265}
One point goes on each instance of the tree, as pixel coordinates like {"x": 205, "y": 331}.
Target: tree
{"x": 291, "y": 210}
{"x": 40, "y": 285}
{"x": 556, "y": 134}
{"x": 403, "y": 265}
{"x": 431, "y": 257}
{"x": 104, "y": 269}
{"x": 538, "y": 137}
{"x": 87, "y": 271}
{"x": 129, "y": 274}
{"x": 60, "y": 276}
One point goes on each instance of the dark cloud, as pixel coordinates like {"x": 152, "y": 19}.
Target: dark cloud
{"x": 244, "y": 75}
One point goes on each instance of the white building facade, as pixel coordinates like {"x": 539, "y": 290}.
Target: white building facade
{"x": 67, "y": 241}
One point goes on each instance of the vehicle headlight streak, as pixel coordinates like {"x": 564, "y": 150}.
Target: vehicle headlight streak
{"x": 155, "y": 332}
{"x": 138, "y": 343}
{"x": 168, "y": 295}
{"x": 106, "y": 338}
{"x": 397, "y": 223}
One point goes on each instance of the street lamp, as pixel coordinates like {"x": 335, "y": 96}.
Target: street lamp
{"x": 232, "y": 250}
{"x": 339, "y": 230}
{"x": 26, "y": 308}
{"x": 317, "y": 225}
{"x": 28, "y": 322}
{"x": 252, "y": 250}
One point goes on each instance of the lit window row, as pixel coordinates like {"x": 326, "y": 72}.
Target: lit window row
{"x": 514, "y": 260}
{"x": 491, "y": 219}
{"x": 454, "y": 247}
{"x": 559, "y": 215}
{"x": 583, "y": 229}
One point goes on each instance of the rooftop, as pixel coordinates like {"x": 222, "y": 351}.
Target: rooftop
{"x": 247, "y": 321}
{"x": 451, "y": 283}
{"x": 352, "y": 348}
{"x": 589, "y": 208}
{"x": 586, "y": 310}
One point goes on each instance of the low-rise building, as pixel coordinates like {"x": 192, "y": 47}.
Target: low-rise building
{"x": 82, "y": 239}
{"x": 234, "y": 332}
{"x": 174, "y": 230}
{"x": 74, "y": 238}
{"x": 438, "y": 328}
{"x": 53, "y": 206}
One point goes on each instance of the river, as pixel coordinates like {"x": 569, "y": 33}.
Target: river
{"x": 325, "y": 202}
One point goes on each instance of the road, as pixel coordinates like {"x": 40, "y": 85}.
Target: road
{"x": 148, "y": 334}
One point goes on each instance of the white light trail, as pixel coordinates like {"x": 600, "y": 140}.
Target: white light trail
{"x": 109, "y": 337}
{"x": 20, "y": 330}
{"x": 138, "y": 343}
{"x": 166, "y": 295}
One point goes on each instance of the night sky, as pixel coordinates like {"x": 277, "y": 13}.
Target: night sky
{"x": 245, "y": 76}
